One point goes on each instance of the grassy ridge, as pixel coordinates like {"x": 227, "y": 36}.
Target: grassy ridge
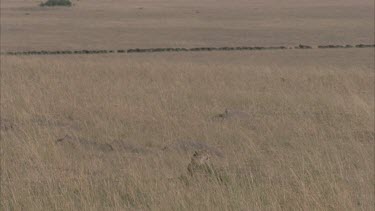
{"x": 158, "y": 50}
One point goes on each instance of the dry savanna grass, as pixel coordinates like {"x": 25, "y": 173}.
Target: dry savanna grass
{"x": 118, "y": 132}
{"x": 259, "y": 130}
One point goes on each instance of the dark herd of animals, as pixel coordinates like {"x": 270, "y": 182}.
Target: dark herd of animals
{"x": 153, "y": 50}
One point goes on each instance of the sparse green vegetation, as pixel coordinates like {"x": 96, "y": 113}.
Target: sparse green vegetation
{"x": 51, "y": 3}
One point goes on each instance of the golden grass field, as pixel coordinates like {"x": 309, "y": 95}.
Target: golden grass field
{"x": 117, "y": 132}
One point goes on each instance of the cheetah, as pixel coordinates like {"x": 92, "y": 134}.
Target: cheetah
{"x": 199, "y": 163}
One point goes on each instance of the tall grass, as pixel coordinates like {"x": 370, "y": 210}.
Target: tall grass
{"x": 308, "y": 142}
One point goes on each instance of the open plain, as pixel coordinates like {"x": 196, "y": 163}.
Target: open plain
{"x": 283, "y": 130}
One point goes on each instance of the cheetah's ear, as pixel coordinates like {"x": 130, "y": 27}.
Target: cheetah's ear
{"x": 195, "y": 153}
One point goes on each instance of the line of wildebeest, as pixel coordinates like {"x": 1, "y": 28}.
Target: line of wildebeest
{"x": 152, "y": 50}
